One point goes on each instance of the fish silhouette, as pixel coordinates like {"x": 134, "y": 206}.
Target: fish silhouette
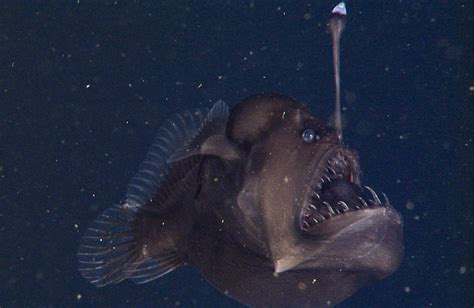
{"x": 264, "y": 199}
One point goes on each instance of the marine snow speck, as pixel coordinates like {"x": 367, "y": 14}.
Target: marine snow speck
{"x": 265, "y": 200}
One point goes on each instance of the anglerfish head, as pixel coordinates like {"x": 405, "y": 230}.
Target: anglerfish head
{"x": 303, "y": 198}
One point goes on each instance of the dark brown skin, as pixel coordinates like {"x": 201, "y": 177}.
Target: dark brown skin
{"x": 251, "y": 203}
{"x": 265, "y": 201}
{"x": 241, "y": 255}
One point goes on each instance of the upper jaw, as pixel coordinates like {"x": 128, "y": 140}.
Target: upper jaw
{"x": 334, "y": 187}
{"x": 338, "y": 162}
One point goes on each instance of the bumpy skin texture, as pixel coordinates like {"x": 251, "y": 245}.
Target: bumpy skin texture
{"x": 248, "y": 240}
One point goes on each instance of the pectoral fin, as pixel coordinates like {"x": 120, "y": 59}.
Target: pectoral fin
{"x": 210, "y": 139}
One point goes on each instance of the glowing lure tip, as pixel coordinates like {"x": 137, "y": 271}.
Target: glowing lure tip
{"x": 340, "y": 9}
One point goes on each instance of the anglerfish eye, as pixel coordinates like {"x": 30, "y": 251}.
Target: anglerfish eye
{"x": 308, "y": 135}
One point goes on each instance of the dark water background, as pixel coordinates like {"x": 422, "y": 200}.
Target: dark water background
{"x": 85, "y": 85}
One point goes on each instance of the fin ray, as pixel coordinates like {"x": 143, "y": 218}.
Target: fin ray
{"x": 112, "y": 248}
{"x": 175, "y": 133}
{"x": 214, "y": 124}
{"x": 110, "y": 252}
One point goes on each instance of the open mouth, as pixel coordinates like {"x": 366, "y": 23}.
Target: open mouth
{"x": 338, "y": 191}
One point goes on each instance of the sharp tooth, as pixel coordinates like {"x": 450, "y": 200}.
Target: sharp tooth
{"x": 316, "y": 195}
{"x": 387, "y": 202}
{"x": 305, "y": 225}
{"x": 330, "y": 209}
{"x": 331, "y": 170}
{"x": 327, "y": 178}
{"x": 315, "y": 220}
{"x": 344, "y": 205}
{"x": 374, "y": 195}
{"x": 312, "y": 206}
{"x": 363, "y": 202}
